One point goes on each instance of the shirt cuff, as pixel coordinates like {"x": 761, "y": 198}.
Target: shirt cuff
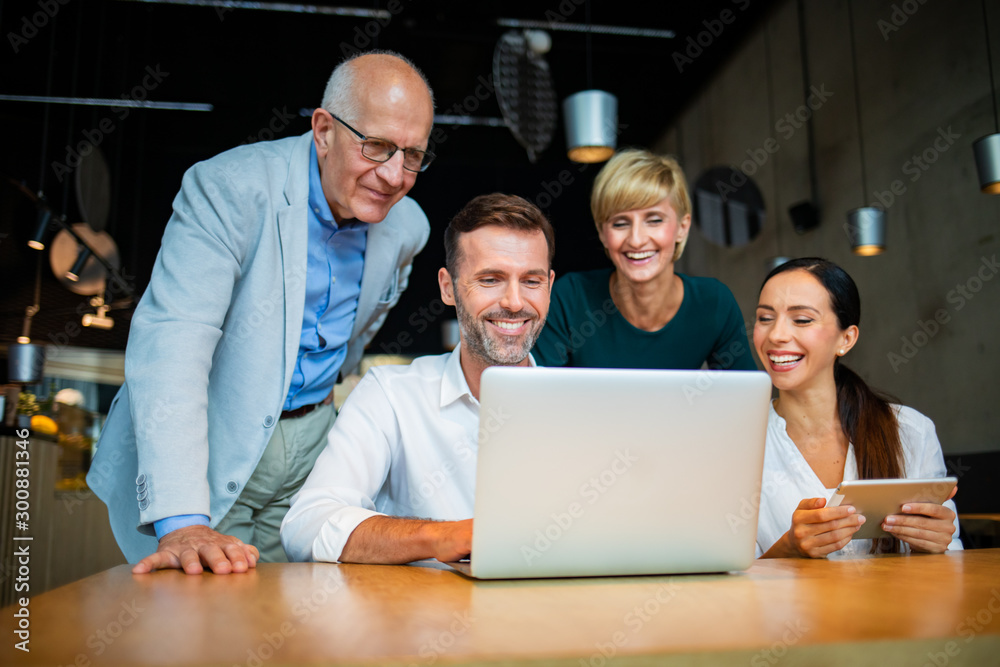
{"x": 172, "y": 523}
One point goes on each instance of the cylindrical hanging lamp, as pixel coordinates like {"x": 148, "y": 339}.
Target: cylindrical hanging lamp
{"x": 987, "y": 152}
{"x": 25, "y": 362}
{"x": 591, "y": 125}
{"x": 866, "y": 228}
{"x": 987, "y": 149}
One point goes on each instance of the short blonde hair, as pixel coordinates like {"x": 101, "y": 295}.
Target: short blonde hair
{"x": 634, "y": 179}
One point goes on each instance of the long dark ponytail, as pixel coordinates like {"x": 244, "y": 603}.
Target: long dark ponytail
{"x": 866, "y": 416}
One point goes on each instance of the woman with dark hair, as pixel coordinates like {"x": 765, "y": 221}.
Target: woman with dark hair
{"x": 827, "y": 426}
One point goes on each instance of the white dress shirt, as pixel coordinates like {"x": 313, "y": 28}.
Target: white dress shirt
{"x": 405, "y": 444}
{"x": 788, "y": 478}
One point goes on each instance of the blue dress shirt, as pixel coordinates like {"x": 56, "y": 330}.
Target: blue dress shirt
{"x": 333, "y": 283}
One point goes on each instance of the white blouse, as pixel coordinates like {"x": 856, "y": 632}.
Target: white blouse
{"x": 788, "y": 478}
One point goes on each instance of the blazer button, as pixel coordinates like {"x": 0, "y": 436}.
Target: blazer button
{"x": 143, "y": 504}
{"x": 233, "y": 487}
{"x": 268, "y": 420}
{"x": 142, "y": 495}
{"x": 141, "y": 479}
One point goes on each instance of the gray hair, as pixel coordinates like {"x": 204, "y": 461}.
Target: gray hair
{"x": 339, "y": 98}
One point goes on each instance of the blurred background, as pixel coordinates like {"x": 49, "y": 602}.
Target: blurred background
{"x": 808, "y": 109}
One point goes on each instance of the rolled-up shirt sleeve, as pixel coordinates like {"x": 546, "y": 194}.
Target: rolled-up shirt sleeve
{"x": 342, "y": 488}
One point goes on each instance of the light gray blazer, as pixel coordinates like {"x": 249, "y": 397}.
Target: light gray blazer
{"x": 214, "y": 340}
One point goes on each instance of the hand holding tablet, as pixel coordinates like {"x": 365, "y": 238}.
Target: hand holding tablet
{"x": 881, "y": 502}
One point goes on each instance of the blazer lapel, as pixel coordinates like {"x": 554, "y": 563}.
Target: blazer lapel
{"x": 293, "y": 232}
{"x": 380, "y": 263}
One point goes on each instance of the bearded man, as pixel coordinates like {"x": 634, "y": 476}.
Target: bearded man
{"x": 405, "y": 443}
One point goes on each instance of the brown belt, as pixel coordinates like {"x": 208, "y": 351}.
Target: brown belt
{"x": 300, "y": 412}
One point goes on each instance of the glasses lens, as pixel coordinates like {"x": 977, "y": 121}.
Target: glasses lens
{"x": 378, "y": 150}
{"x": 416, "y": 160}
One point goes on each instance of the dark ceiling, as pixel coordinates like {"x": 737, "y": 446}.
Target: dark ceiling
{"x": 258, "y": 68}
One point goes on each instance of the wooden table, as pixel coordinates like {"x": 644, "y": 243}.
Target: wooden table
{"x": 907, "y": 610}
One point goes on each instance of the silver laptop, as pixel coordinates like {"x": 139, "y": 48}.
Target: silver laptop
{"x": 597, "y": 472}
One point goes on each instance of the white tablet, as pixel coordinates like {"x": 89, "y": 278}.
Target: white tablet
{"x": 876, "y": 499}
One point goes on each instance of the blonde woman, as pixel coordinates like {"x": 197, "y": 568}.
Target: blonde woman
{"x": 641, "y": 313}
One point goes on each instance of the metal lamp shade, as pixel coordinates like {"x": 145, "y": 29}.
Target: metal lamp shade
{"x": 25, "y": 362}
{"x": 591, "y": 125}
{"x": 987, "y": 152}
{"x": 866, "y": 227}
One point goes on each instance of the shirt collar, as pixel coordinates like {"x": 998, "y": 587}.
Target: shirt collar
{"x": 317, "y": 200}
{"x": 453, "y": 384}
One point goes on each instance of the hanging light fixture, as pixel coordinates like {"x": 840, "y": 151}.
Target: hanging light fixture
{"x": 591, "y": 125}
{"x": 37, "y": 241}
{"x": 987, "y": 149}
{"x": 591, "y": 118}
{"x": 867, "y": 229}
{"x": 81, "y": 261}
{"x": 865, "y": 225}
{"x": 99, "y": 320}
{"x": 26, "y": 360}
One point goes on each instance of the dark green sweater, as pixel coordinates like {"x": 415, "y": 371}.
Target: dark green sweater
{"x": 584, "y": 328}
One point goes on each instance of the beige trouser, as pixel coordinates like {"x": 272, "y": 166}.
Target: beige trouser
{"x": 288, "y": 458}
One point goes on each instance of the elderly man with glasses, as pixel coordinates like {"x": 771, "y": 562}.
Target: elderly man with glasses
{"x": 278, "y": 266}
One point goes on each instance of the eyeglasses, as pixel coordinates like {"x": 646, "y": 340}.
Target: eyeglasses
{"x": 382, "y": 150}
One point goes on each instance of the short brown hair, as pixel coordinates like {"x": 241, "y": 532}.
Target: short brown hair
{"x": 635, "y": 179}
{"x": 508, "y": 211}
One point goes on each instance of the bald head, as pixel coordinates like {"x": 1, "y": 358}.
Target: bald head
{"x": 377, "y": 74}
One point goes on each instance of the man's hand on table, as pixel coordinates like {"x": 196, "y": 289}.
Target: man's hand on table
{"x": 452, "y": 540}
{"x": 196, "y": 548}
{"x": 396, "y": 540}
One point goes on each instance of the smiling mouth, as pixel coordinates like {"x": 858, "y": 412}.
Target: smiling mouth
{"x": 784, "y": 360}
{"x": 638, "y": 256}
{"x": 509, "y": 327}
{"x": 378, "y": 194}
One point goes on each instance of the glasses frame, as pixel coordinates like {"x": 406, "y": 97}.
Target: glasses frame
{"x": 425, "y": 155}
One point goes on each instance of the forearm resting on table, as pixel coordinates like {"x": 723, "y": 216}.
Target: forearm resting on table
{"x": 393, "y": 540}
